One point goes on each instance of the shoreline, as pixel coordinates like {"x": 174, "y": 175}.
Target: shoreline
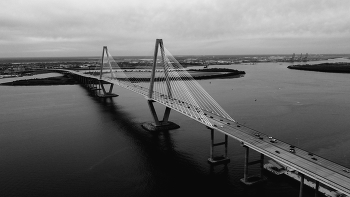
{"x": 340, "y": 67}
{"x": 62, "y": 80}
{"x": 68, "y": 80}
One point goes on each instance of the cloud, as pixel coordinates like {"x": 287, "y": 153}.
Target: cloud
{"x": 229, "y": 26}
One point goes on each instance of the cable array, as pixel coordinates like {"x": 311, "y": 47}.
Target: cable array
{"x": 176, "y": 83}
{"x": 173, "y": 85}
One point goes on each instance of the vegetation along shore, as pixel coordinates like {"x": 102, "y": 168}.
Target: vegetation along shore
{"x": 340, "y": 67}
{"x": 211, "y": 73}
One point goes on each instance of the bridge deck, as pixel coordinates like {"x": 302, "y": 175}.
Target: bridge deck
{"x": 318, "y": 168}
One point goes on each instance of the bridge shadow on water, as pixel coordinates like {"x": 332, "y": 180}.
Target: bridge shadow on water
{"x": 166, "y": 171}
{"x": 161, "y": 169}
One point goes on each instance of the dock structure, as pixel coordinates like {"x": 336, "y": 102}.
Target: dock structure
{"x": 177, "y": 91}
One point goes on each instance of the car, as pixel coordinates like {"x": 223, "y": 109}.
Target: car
{"x": 277, "y": 151}
{"x": 273, "y": 140}
{"x": 259, "y": 136}
{"x": 270, "y": 137}
{"x": 314, "y": 158}
{"x": 292, "y": 150}
{"x": 346, "y": 170}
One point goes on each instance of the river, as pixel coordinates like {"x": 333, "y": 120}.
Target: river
{"x": 62, "y": 141}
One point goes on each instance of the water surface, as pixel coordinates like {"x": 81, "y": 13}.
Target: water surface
{"x": 62, "y": 141}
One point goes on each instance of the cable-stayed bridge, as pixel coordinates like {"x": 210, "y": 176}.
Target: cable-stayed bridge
{"x": 166, "y": 82}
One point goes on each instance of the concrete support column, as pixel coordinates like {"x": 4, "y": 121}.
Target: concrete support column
{"x": 317, "y": 188}
{"x": 261, "y": 166}
{"x": 212, "y": 143}
{"x": 111, "y": 88}
{"x": 256, "y": 178}
{"x": 153, "y": 112}
{"x": 217, "y": 160}
{"x": 102, "y": 87}
{"x": 246, "y": 163}
{"x": 226, "y": 142}
{"x": 166, "y": 115}
{"x": 301, "y": 185}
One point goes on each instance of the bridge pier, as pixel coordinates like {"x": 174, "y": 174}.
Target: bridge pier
{"x": 89, "y": 83}
{"x": 94, "y": 86}
{"x": 106, "y": 94}
{"x": 221, "y": 159}
{"x": 158, "y": 125}
{"x": 301, "y": 188}
{"x": 250, "y": 180}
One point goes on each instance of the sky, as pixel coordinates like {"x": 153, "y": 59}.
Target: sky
{"x": 60, "y": 28}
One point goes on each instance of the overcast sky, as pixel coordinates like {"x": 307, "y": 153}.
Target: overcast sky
{"x": 187, "y": 27}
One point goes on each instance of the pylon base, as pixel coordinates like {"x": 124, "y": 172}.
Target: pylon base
{"x": 150, "y": 126}
{"x": 252, "y": 180}
{"x": 218, "y": 160}
{"x": 94, "y": 89}
{"x": 107, "y": 95}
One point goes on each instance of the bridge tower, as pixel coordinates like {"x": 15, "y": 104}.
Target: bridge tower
{"x": 159, "y": 125}
{"x": 101, "y": 82}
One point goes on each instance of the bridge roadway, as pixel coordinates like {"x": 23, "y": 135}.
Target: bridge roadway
{"x": 313, "y": 166}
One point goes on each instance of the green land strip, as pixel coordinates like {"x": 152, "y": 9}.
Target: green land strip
{"x": 341, "y": 67}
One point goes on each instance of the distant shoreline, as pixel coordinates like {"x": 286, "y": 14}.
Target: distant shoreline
{"x": 62, "y": 80}
{"x": 68, "y": 80}
{"x": 340, "y": 67}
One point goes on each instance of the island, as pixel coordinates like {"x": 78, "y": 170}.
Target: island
{"x": 337, "y": 67}
{"x": 198, "y": 74}
{"x": 61, "y": 80}
{"x": 211, "y": 73}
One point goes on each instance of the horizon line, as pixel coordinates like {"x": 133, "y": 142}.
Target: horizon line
{"x": 289, "y": 54}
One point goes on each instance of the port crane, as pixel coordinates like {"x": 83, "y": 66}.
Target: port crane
{"x": 305, "y": 57}
{"x": 301, "y": 57}
{"x": 292, "y": 58}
